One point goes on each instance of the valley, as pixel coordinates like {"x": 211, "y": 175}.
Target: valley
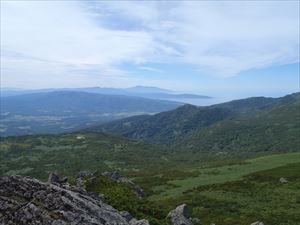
{"x": 47, "y": 112}
{"x": 149, "y": 112}
{"x": 226, "y": 161}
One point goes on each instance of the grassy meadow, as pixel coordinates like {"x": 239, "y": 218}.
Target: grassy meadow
{"x": 233, "y": 194}
{"x": 222, "y": 174}
{"x": 227, "y": 191}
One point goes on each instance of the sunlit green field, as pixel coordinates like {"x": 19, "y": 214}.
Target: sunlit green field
{"x": 257, "y": 196}
{"x": 233, "y": 195}
{"x": 224, "y": 174}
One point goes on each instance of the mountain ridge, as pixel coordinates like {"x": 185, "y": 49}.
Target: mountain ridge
{"x": 170, "y": 126}
{"x": 139, "y": 91}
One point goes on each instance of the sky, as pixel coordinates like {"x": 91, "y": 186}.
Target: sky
{"x": 244, "y": 48}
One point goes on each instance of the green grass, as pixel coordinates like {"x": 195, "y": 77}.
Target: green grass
{"x": 67, "y": 154}
{"x": 257, "y": 196}
{"x": 224, "y": 174}
{"x": 232, "y": 191}
{"x": 122, "y": 197}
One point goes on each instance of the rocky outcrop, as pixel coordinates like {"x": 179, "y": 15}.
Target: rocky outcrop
{"x": 27, "y": 201}
{"x": 180, "y": 216}
{"x": 24, "y": 200}
{"x": 126, "y": 215}
{"x": 55, "y": 179}
{"x": 138, "y": 222}
{"x": 115, "y": 176}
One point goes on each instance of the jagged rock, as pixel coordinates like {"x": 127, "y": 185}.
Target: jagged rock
{"x": 54, "y": 178}
{"x": 112, "y": 175}
{"x": 80, "y": 183}
{"x": 138, "y": 222}
{"x": 180, "y": 216}
{"x": 27, "y": 201}
{"x": 83, "y": 174}
{"x": 257, "y": 223}
{"x": 283, "y": 180}
{"x": 115, "y": 176}
{"x": 126, "y": 215}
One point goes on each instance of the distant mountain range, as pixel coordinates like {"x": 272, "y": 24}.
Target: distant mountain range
{"x": 61, "y": 111}
{"x": 139, "y": 91}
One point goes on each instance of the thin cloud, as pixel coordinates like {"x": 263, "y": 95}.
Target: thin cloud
{"x": 150, "y": 69}
{"x": 219, "y": 38}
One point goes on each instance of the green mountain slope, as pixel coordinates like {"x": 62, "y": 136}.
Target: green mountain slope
{"x": 165, "y": 127}
{"x": 273, "y": 129}
{"x": 68, "y": 154}
{"x": 176, "y": 125}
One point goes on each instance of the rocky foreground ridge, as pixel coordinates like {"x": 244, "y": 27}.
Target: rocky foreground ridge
{"x": 24, "y": 200}
{"x": 28, "y": 201}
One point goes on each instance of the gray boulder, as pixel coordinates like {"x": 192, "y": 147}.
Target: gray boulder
{"x": 55, "y": 179}
{"x": 80, "y": 183}
{"x": 138, "y": 222}
{"x": 180, "y": 216}
{"x": 83, "y": 173}
{"x": 82, "y": 176}
{"x": 126, "y": 215}
{"x": 114, "y": 175}
{"x": 27, "y": 201}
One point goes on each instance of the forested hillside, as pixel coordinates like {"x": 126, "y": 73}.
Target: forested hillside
{"x": 245, "y": 124}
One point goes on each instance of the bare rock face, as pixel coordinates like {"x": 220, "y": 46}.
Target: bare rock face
{"x": 55, "y": 179}
{"x": 27, "y": 201}
{"x": 138, "y": 222}
{"x": 115, "y": 176}
{"x": 126, "y": 215}
{"x": 180, "y": 216}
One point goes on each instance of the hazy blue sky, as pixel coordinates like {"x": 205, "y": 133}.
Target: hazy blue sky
{"x": 250, "y": 48}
